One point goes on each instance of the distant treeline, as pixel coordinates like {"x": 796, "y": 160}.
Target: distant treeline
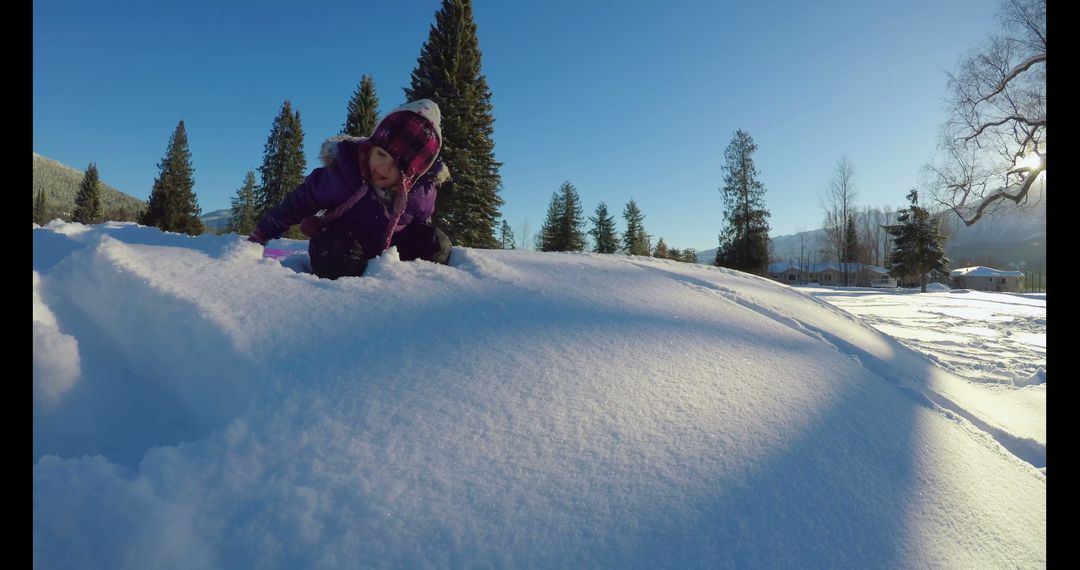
{"x": 60, "y": 184}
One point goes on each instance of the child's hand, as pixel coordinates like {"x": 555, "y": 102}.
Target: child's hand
{"x": 257, "y": 237}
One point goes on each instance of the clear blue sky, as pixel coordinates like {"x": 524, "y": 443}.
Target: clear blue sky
{"x": 623, "y": 99}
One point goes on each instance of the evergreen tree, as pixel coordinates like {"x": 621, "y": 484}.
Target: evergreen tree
{"x": 506, "y": 236}
{"x": 243, "y": 218}
{"x": 661, "y": 250}
{"x": 572, "y": 222}
{"x": 744, "y": 241}
{"x": 173, "y": 206}
{"x": 917, "y": 244}
{"x": 635, "y": 240}
{"x": 363, "y": 110}
{"x": 284, "y": 165}
{"x": 41, "y": 208}
{"x": 689, "y": 255}
{"x": 88, "y": 199}
{"x": 603, "y": 231}
{"x": 549, "y": 232}
{"x": 851, "y": 241}
{"x": 448, "y": 73}
{"x": 562, "y": 228}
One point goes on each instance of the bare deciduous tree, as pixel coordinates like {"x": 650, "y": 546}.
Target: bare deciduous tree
{"x": 994, "y": 142}
{"x": 839, "y": 203}
{"x": 870, "y": 235}
{"x": 804, "y": 255}
{"x": 525, "y": 241}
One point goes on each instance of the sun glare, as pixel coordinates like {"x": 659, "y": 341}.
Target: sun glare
{"x": 1031, "y": 160}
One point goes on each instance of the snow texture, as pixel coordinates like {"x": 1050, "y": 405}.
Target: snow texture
{"x": 198, "y": 405}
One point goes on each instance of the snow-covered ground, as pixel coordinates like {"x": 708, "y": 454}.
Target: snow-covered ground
{"x": 197, "y": 405}
{"x": 995, "y": 342}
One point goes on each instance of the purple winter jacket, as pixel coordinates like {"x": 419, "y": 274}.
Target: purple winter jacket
{"x": 331, "y": 185}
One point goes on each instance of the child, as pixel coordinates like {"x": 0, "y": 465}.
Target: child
{"x": 372, "y": 193}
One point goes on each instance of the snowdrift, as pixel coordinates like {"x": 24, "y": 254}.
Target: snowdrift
{"x": 199, "y": 406}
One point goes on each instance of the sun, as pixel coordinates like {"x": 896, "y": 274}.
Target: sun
{"x": 1032, "y": 160}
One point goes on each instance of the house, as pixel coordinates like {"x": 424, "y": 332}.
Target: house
{"x": 859, "y": 275}
{"x": 981, "y": 278}
{"x": 786, "y": 272}
{"x": 790, "y": 273}
{"x": 828, "y": 274}
{"x": 874, "y": 276}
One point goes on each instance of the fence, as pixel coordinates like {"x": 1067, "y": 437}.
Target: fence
{"x": 1034, "y": 282}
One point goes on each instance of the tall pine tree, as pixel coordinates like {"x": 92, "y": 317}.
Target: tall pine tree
{"x": 363, "y": 109}
{"x": 243, "y": 218}
{"x": 635, "y": 240}
{"x": 549, "y": 232}
{"x": 744, "y": 241}
{"x": 572, "y": 222}
{"x": 41, "y": 208}
{"x": 173, "y": 206}
{"x": 88, "y": 199}
{"x": 562, "y": 230}
{"x": 603, "y": 231}
{"x": 284, "y": 166}
{"x": 506, "y": 236}
{"x": 448, "y": 73}
{"x": 917, "y": 244}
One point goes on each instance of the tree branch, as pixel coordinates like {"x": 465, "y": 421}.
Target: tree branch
{"x": 1024, "y": 66}
{"x": 1032, "y": 174}
{"x": 1016, "y": 118}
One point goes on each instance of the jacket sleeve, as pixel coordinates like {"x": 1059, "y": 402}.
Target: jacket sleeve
{"x": 426, "y": 190}
{"x": 316, "y": 192}
{"x": 425, "y": 205}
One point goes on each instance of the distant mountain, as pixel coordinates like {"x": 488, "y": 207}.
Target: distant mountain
{"x": 1009, "y": 238}
{"x": 61, "y": 183}
{"x": 216, "y": 221}
{"x": 708, "y": 257}
{"x": 785, "y": 248}
{"x": 782, "y": 246}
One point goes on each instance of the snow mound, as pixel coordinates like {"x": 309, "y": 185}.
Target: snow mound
{"x": 514, "y": 408}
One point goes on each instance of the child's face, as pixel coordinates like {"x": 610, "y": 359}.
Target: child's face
{"x": 383, "y": 169}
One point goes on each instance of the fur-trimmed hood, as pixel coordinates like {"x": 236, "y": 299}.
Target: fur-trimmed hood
{"x": 328, "y": 154}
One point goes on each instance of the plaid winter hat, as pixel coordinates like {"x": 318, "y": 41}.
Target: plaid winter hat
{"x": 411, "y": 135}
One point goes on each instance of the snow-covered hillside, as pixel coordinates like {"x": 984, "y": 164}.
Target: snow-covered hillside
{"x": 199, "y": 406}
